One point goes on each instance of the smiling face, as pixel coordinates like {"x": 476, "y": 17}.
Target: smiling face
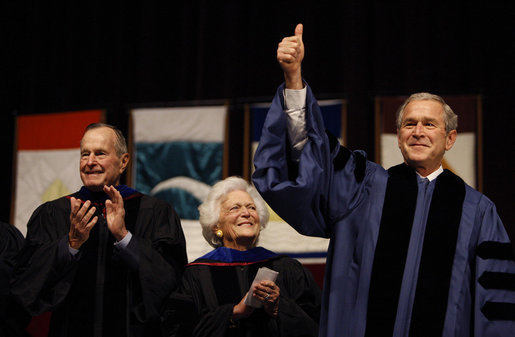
{"x": 239, "y": 221}
{"x": 422, "y": 137}
{"x": 99, "y": 162}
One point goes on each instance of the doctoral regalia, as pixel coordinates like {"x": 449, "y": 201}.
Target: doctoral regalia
{"x": 102, "y": 290}
{"x": 213, "y": 284}
{"x": 13, "y": 319}
{"x": 405, "y": 258}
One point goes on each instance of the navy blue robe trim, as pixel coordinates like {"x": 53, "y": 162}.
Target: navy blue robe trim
{"x": 99, "y": 198}
{"x": 438, "y": 256}
{"x": 499, "y": 311}
{"x": 391, "y": 250}
{"x": 223, "y": 256}
{"x": 495, "y": 250}
{"x": 496, "y": 280}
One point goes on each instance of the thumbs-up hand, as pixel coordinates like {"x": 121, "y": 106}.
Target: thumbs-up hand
{"x": 290, "y": 54}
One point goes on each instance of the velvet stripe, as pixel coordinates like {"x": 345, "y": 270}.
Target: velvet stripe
{"x": 438, "y": 253}
{"x": 391, "y": 250}
{"x": 495, "y": 250}
{"x": 497, "y": 280}
{"x": 499, "y": 311}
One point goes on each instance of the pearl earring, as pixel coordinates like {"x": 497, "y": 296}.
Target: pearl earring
{"x": 219, "y": 233}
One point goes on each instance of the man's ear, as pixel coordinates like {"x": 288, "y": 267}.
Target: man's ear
{"x": 124, "y": 162}
{"x": 450, "y": 139}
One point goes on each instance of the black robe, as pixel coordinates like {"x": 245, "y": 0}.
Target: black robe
{"x": 210, "y": 289}
{"x": 103, "y": 290}
{"x": 12, "y": 318}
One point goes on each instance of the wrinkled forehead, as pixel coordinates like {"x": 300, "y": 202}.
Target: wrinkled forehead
{"x": 236, "y": 197}
{"x": 420, "y": 109}
{"x": 99, "y": 137}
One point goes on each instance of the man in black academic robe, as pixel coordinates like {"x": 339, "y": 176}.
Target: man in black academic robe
{"x": 103, "y": 259}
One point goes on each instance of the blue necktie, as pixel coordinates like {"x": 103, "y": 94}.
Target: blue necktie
{"x": 423, "y": 183}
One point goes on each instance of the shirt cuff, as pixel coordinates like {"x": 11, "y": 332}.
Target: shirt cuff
{"x": 66, "y": 254}
{"x": 122, "y": 244}
{"x": 72, "y": 251}
{"x": 295, "y": 99}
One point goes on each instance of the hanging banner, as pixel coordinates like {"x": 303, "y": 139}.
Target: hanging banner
{"x": 47, "y": 155}
{"x": 177, "y": 155}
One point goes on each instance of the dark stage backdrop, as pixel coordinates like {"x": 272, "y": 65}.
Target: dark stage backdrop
{"x": 110, "y": 55}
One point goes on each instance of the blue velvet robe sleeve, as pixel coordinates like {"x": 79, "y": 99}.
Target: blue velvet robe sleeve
{"x": 323, "y": 197}
{"x": 494, "y": 293}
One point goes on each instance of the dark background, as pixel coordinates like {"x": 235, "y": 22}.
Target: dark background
{"x": 110, "y": 55}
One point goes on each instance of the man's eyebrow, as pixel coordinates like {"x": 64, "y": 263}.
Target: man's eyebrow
{"x": 429, "y": 119}
{"x": 423, "y": 119}
{"x": 410, "y": 119}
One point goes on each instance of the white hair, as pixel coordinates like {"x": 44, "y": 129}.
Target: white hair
{"x": 210, "y": 209}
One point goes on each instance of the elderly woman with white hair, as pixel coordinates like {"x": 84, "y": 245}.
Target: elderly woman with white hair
{"x": 213, "y": 298}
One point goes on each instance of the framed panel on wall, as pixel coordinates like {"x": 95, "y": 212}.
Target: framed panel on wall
{"x": 177, "y": 154}
{"x": 46, "y": 159}
{"x": 46, "y": 167}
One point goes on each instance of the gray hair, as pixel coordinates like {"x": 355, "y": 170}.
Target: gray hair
{"x": 449, "y": 117}
{"x": 210, "y": 209}
{"x": 120, "y": 144}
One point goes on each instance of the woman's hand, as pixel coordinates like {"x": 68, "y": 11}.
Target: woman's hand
{"x": 241, "y": 310}
{"x": 268, "y": 293}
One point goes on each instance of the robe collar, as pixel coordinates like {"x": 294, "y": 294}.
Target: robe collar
{"x": 229, "y": 256}
{"x": 101, "y": 197}
{"x": 433, "y": 175}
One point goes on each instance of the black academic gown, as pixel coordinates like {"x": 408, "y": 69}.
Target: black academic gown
{"x": 211, "y": 288}
{"x": 12, "y": 318}
{"x": 101, "y": 291}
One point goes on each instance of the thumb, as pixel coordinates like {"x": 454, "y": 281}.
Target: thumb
{"x": 298, "y": 31}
